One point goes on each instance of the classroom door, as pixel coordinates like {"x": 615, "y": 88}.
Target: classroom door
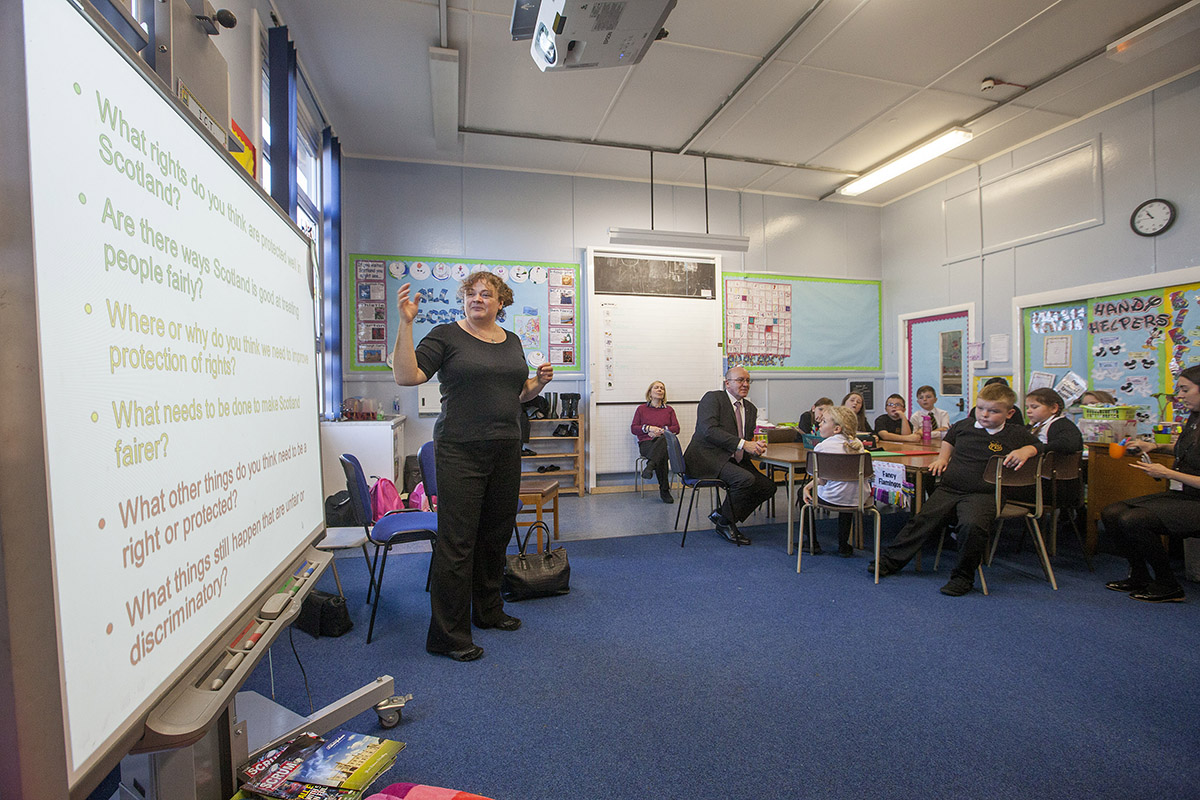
{"x": 936, "y": 355}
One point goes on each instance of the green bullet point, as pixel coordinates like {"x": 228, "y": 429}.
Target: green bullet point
{"x": 78, "y": 90}
{"x": 83, "y": 198}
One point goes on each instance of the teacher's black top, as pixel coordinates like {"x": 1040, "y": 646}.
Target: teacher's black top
{"x": 481, "y": 383}
{"x": 1187, "y": 453}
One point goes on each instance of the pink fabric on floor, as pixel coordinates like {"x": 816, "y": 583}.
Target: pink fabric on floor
{"x": 415, "y": 791}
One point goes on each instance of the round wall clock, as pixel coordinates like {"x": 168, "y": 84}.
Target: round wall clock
{"x": 1152, "y": 217}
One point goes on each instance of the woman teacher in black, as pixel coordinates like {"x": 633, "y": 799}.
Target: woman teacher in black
{"x": 1138, "y": 524}
{"x": 477, "y": 446}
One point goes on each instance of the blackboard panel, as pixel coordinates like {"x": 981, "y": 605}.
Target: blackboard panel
{"x": 648, "y": 275}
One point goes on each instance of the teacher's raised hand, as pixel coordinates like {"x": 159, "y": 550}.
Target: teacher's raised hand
{"x": 545, "y": 374}
{"x": 406, "y": 306}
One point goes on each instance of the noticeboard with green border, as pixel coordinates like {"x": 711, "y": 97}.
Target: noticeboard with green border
{"x": 788, "y": 323}
{"x": 544, "y": 313}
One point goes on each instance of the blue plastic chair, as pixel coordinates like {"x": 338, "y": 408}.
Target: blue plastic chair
{"x": 397, "y": 527}
{"x": 675, "y": 458}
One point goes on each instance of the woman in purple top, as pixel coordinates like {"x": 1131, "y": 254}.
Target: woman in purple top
{"x": 649, "y": 423}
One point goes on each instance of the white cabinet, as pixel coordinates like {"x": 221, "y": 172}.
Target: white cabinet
{"x": 378, "y": 445}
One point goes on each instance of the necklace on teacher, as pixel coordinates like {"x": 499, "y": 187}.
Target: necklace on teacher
{"x": 478, "y": 334}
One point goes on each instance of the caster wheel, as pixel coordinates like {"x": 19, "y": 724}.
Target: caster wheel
{"x": 389, "y": 720}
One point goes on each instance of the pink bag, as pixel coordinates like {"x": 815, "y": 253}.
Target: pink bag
{"x": 384, "y": 498}
{"x": 419, "y": 500}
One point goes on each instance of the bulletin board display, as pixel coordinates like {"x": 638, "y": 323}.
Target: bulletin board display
{"x": 788, "y": 323}
{"x": 543, "y": 314}
{"x": 1130, "y": 344}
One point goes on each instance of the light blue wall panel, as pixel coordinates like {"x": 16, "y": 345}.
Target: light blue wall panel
{"x": 1177, "y": 143}
{"x": 393, "y": 207}
{"x": 517, "y": 216}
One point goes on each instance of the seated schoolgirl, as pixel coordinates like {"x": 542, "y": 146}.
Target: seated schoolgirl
{"x": 839, "y": 427}
{"x": 1048, "y": 422}
{"x": 855, "y": 402}
{"x": 811, "y": 420}
{"x": 893, "y": 426}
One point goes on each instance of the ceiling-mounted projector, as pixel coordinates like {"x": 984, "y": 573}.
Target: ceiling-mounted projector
{"x": 575, "y": 34}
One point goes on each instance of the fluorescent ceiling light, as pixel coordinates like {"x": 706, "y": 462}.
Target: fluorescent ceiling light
{"x": 910, "y": 160}
{"x": 1155, "y": 34}
{"x": 443, "y": 88}
{"x": 683, "y": 240}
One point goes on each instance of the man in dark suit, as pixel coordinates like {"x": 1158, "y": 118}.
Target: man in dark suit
{"x": 722, "y": 447}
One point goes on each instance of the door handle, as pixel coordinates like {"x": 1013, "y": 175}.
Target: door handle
{"x": 961, "y": 404}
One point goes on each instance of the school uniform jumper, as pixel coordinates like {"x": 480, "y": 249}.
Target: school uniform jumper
{"x": 961, "y": 491}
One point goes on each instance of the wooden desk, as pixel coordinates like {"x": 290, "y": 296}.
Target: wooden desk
{"x": 787, "y": 456}
{"x": 1112, "y": 479}
{"x": 537, "y": 492}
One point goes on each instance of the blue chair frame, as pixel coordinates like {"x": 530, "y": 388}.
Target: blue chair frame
{"x": 675, "y": 458}
{"x": 395, "y": 528}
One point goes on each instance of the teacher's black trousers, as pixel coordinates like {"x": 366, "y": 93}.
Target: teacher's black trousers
{"x": 478, "y": 487}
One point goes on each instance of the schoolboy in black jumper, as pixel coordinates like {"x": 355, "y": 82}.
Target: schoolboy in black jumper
{"x": 965, "y": 452}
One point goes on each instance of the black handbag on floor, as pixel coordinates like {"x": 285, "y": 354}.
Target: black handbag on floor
{"x": 324, "y": 614}
{"x": 528, "y": 575}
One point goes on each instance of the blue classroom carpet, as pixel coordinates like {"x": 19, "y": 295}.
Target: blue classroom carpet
{"x": 714, "y": 671}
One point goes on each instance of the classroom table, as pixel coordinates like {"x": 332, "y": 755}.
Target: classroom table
{"x": 916, "y": 458}
{"x": 787, "y": 456}
{"x": 1111, "y": 479}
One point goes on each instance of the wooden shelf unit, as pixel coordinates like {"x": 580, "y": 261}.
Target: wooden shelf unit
{"x": 564, "y": 451}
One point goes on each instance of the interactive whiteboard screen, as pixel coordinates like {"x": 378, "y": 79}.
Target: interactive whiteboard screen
{"x": 175, "y": 322}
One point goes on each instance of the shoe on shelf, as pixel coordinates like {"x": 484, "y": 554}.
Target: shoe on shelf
{"x": 562, "y": 430}
{"x": 648, "y": 472}
{"x": 472, "y": 653}
{"x": 1128, "y": 585}
{"x": 1160, "y": 593}
{"x": 525, "y": 451}
{"x": 665, "y": 496}
{"x": 504, "y": 622}
{"x": 553, "y": 468}
{"x": 957, "y": 586}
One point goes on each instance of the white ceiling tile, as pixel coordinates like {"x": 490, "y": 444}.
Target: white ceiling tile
{"x": 807, "y": 114}
{"x": 801, "y": 183}
{"x": 830, "y": 95}
{"x": 916, "y": 43}
{"x": 616, "y": 162}
{"x": 1166, "y": 62}
{"x": 529, "y": 154}
{"x": 749, "y": 27}
{"x": 912, "y": 121}
{"x": 1065, "y": 33}
{"x": 663, "y": 88}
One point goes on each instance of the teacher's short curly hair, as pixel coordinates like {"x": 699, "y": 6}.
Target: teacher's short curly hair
{"x": 495, "y": 283}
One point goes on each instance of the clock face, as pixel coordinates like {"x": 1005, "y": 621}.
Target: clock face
{"x": 1152, "y": 217}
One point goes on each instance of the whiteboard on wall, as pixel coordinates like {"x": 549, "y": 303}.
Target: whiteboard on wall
{"x": 636, "y": 339}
